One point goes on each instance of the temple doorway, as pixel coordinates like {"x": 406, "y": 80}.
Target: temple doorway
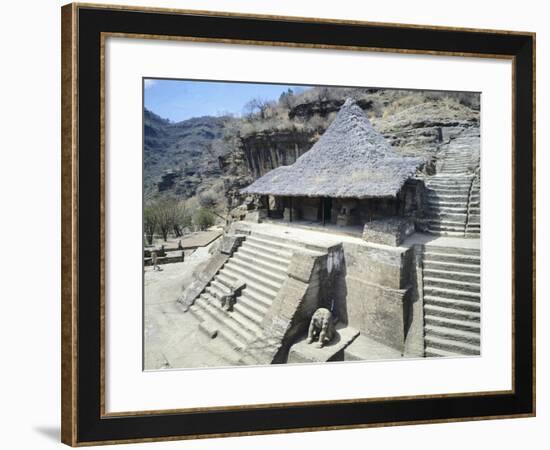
{"x": 326, "y": 210}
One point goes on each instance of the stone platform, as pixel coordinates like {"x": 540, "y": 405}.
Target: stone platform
{"x": 302, "y": 352}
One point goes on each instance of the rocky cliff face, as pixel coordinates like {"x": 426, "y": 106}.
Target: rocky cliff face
{"x": 267, "y": 150}
{"x": 421, "y": 130}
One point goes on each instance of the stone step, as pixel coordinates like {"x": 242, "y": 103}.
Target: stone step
{"x": 460, "y": 160}
{"x": 436, "y": 198}
{"x": 288, "y": 243}
{"x": 225, "y": 283}
{"x": 254, "y": 297}
{"x": 452, "y": 266}
{"x": 442, "y": 232}
{"x": 259, "y": 291}
{"x": 449, "y": 345}
{"x": 266, "y": 248}
{"x": 447, "y": 181}
{"x": 448, "y": 283}
{"x": 447, "y": 190}
{"x": 446, "y": 204}
{"x": 473, "y": 227}
{"x": 446, "y": 293}
{"x": 448, "y": 216}
{"x": 264, "y": 255}
{"x": 250, "y": 313}
{"x": 216, "y": 289}
{"x": 431, "y": 352}
{"x": 252, "y": 304}
{"x": 460, "y": 209}
{"x": 447, "y": 322}
{"x": 252, "y": 300}
{"x": 277, "y": 276}
{"x": 452, "y": 275}
{"x": 473, "y": 251}
{"x": 442, "y": 222}
{"x": 456, "y": 170}
{"x": 437, "y": 186}
{"x": 465, "y": 166}
{"x": 198, "y": 313}
{"x": 236, "y": 322}
{"x": 453, "y": 303}
{"x": 273, "y": 242}
{"x": 453, "y": 334}
{"x": 438, "y": 255}
{"x": 451, "y": 313}
{"x": 445, "y": 171}
{"x": 234, "y": 341}
{"x": 437, "y": 227}
{"x": 246, "y": 275}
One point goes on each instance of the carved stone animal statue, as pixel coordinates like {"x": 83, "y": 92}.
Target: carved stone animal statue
{"x": 321, "y": 327}
{"x": 228, "y": 300}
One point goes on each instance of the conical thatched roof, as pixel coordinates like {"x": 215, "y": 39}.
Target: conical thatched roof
{"x": 350, "y": 160}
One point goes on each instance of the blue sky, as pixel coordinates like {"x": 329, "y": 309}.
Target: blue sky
{"x": 182, "y": 99}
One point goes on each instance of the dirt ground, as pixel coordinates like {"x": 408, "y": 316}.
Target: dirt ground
{"x": 171, "y": 337}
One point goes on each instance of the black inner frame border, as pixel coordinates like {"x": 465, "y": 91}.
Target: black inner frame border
{"x": 91, "y": 426}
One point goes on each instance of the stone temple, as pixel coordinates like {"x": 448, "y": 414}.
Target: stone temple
{"x": 388, "y": 244}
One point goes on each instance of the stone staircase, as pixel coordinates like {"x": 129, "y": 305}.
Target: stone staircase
{"x": 473, "y": 219}
{"x": 452, "y": 195}
{"x": 451, "y": 279}
{"x": 461, "y": 155}
{"x": 261, "y": 262}
{"x": 448, "y": 199}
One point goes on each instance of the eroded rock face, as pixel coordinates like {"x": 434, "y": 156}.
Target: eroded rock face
{"x": 422, "y": 129}
{"x": 268, "y": 150}
{"x": 323, "y": 108}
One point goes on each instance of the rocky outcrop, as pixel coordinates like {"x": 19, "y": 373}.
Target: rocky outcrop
{"x": 323, "y": 108}
{"x": 422, "y": 129}
{"x": 268, "y": 150}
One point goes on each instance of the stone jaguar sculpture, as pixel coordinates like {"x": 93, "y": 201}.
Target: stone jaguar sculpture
{"x": 321, "y": 327}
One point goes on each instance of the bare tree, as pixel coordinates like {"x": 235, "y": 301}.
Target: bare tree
{"x": 165, "y": 217}
{"x": 203, "y": 218}
{"x": 149, "y": 223}
{"x": 182, "y": 218}
{"x": 257, "y": 106}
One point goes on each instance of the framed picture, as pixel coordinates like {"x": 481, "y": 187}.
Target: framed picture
{"x": 281, "y": 224}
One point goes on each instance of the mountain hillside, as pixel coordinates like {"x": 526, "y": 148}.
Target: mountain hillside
{"x": 178, "y": 157}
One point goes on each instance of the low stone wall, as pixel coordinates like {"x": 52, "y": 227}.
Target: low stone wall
{"x": 171, "y": 257}
{"x": 391, "y": 231}
{"x": 205, "y": 272}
